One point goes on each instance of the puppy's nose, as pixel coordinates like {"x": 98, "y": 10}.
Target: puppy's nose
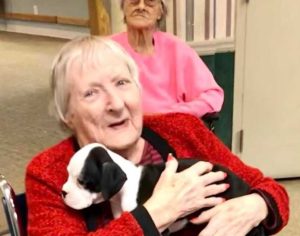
{"x": 63, "y": 193}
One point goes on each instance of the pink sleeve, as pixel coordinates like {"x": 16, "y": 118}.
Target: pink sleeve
{"x": 196, "y": 91}
{"x": 196, "y": 84}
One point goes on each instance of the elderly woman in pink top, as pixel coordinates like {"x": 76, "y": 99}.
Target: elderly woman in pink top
{"x": 173, "y": 77}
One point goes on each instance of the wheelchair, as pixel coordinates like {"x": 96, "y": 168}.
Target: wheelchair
{"x": 15, "y": 209}
{"x": 209, "y": 120}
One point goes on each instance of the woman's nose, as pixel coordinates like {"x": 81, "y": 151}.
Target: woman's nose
{"x": 115, "y": 102}
{"x": 141, "y": 4}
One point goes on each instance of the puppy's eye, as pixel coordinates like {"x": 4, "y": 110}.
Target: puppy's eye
{"x": 90, "y": 186}
{"x": 80, "y": 181}
{"x": 85, "y": 184}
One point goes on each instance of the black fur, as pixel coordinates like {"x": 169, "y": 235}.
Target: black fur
{"x": 101, "y": 174}
{"x": 238, "y": 187}
{"x": 151, "y": 174}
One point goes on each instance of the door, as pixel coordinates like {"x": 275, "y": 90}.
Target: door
{"x": 267, "y": 86}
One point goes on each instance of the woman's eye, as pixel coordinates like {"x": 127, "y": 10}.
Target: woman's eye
{"x": 89, "y": 93}
{"x": 122, "y": 82}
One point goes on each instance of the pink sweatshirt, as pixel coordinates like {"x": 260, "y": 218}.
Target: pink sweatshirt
{"x": 174, "y": 78}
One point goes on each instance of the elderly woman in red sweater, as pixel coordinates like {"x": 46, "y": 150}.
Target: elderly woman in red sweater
{"x": 96, "y": 95}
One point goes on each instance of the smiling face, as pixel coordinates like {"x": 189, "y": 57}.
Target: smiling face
{"x": 142, "y": 14}
{"x": 104, "y": 103}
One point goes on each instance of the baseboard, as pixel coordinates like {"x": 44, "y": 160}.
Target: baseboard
{"x": 45, "y": 29}
{"x": 211, "y": 47}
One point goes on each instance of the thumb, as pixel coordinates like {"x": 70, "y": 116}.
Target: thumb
{"x": 171, "y": 166}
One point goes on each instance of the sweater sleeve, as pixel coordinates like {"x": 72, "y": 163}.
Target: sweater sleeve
{"x": 273, "y": 193}
{"x": 145, "y": 220}
{"x": 48, "y": 215}
{"x": 198, "y": 92}
{"x": 190, "y": 138}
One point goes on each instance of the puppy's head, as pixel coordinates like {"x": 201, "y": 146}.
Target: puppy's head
{"x": 93, "y": 177}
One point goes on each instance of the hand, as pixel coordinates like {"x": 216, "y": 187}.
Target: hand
{"x": 236, "y": 216}
{"x": 179, "y": 194}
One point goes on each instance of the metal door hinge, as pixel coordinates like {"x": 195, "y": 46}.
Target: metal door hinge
{"x": 241, "y": 140}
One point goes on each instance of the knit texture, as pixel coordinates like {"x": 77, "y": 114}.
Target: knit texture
{"x": 190, "y": 138}
{"x": 48, "y": 215}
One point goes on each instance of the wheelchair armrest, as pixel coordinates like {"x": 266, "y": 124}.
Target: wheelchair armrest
{"x": 210, "y": 118}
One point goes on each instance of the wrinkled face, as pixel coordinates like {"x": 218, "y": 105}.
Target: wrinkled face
{"x": 142, "y": 14}
{"x": 104, "y": 104}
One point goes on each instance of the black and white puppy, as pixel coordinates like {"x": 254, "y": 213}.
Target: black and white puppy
{"x": 97, "y": 174}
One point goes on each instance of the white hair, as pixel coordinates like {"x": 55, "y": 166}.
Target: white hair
{"x": 88, "y": 51}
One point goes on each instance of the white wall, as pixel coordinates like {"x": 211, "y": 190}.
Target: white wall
{"x": 68, "y": 8}
{"x": 65, "y": 8}
{"x": 214, "y": 42}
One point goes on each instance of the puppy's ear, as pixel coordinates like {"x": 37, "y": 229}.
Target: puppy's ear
{"x": 103, "y": 174}
{"x": 113, "y": 178}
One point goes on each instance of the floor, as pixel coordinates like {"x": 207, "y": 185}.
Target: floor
{"x": 25, "y": 126}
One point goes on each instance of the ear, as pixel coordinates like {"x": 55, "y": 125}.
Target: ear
{"x": 68, "y": 121}
{"x": 113, "y": 179}
{"x": 161, "y": 12}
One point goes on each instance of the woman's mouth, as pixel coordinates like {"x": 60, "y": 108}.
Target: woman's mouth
{"x": 118, "y": 124}
{"x": 138, "y": 14}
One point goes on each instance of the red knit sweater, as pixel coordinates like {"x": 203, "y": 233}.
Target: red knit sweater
{"x": 48, "y": 215}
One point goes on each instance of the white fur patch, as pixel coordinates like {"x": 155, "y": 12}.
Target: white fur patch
{"x": 78, "y": 198}
{"x": 125, "y": 200}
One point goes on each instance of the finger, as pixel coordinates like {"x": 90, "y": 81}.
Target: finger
{"x": 213, "y": 177}
{"x": 229, "y": 228}
{"x": 244, "y": 230}
{"x": 233, "y": 227}
{"x": 208, "y": 231}
{"x": 205, "y": 216}
{"x": 171, "y": 166}
{"x": 215, "y": 189}
{"x": 212, "y": 227}
{"x": 199, "y": 168}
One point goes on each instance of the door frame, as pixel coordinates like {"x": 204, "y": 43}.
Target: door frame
{"x": 239, "y": 75}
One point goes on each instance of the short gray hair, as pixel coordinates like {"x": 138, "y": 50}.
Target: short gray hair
{"x": 88, "y": 50}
